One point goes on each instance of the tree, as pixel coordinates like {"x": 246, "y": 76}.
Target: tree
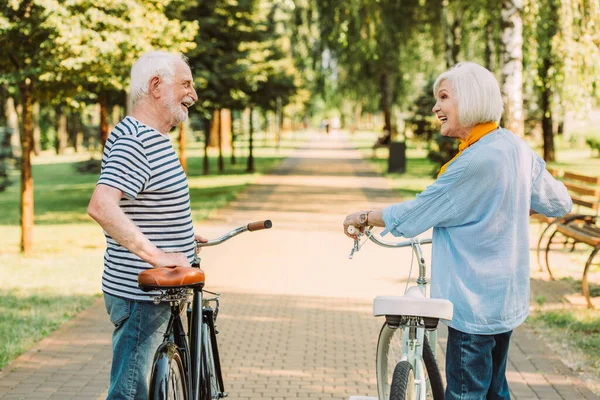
{"x": 511, "y": 65}
{"x": 563, "y": 59}
{"x": 51, "y": 49}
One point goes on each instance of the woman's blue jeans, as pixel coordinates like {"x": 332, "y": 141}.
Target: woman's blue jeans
{"x": 139, "y": 329}
{"x": 476, "y": 366}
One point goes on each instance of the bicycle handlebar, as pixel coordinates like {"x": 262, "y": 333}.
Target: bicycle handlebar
{"x": 353, "y": 231}
{"x": 412, "y": 242}
{"x": 251, "y": 227}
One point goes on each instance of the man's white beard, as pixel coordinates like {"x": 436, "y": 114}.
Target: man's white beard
{"x": 179, "y": 114}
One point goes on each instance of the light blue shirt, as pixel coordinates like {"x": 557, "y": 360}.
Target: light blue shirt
{"x": 479, "y": 211}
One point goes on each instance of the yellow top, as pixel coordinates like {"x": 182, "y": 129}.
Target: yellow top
{"x": 476, "y": 133}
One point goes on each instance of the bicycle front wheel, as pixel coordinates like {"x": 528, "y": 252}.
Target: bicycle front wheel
{"x": 389, "y": 353}
{"x": 403, "y": 382}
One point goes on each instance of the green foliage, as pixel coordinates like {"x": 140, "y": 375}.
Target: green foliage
{"x": 594, "y": 144}
{"x": 442, "y": 150}
{"x": 422, "y": 121}
{"x": 66, "y": 46}
{"x": 238, "y": 59}
{"x": 378, "y": 49}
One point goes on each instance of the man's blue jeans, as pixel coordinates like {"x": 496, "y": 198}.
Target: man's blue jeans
{"x": 139, "y": 329}
{"x": 476, "y": 366}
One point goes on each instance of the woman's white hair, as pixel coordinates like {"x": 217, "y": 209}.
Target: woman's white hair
{"x": 154, "y": 63}
{"x": 477, "y": 92}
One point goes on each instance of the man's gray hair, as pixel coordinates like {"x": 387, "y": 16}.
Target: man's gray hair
{"x": 154, "y": 63}
{"x": 477, "y": 92}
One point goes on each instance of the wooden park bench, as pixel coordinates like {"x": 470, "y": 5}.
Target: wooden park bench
{"x": 582, "y": 225}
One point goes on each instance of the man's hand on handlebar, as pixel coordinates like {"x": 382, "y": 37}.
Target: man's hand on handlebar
{"x": 199, "y": 239}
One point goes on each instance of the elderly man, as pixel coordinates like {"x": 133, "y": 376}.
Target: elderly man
{"x": 479, "y": 210}
{"x": 142, "y": 203}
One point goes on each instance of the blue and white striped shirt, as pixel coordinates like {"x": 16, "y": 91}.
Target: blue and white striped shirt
{"x": 479, "y": 211}
{"x": 141, "y": 162}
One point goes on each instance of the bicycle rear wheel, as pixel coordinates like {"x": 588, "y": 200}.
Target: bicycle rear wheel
{"x": 168, "y": 376}
{"x": 403, "y": 382}
{"x": 436, "y": 385}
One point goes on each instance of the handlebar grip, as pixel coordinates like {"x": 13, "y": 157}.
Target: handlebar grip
{"x": 351, "y": 229}
{"x": 258, "y": 225}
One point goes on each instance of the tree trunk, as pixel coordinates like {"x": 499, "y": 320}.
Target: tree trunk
{"x": 546, "y": 108}
{"x": 26, "y": 89}
{"x": 387, "y": 93}
{"x": 250, "y": 167}
{"x": 37, "y": 147}
{"x": 103, "y": 118}
{"x": 207, "y": 129}
{"x": 60, "y": 143}
{"x": 75, "y": 129}
{"x": 452, "y": 23}
{"x": 279, "y": 121}
{"x": 511, "y": 65}
{"x": 220, "y": 142}
{"x": 490, "y": 45}
{"x": 182, "y": 158}
{"x": 233, "y": 160}
{"x": 215, "y": 128}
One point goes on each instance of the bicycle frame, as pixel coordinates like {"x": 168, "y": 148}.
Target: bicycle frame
{"x": 405, "y": 312}
{"x": 197, "y": 375}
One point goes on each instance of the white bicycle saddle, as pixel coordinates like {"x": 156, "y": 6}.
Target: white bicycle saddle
{"x": 413, "y": 303}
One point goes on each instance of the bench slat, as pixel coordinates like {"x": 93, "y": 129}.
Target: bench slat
{"x": 584, "y": 191}
{"x": 584, "y": 178}
{"x": 581, "y": 234}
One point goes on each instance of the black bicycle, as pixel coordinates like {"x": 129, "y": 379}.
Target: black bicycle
{"x": 187, "y": 365}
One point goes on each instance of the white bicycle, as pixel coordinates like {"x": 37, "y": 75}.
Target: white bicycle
{"x": 406, "y": 349}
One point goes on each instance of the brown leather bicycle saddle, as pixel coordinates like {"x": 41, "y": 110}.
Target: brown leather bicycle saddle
{"x": 169, "y": 278}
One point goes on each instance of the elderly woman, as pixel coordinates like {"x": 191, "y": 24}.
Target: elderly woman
{"x": 479, "y": 209}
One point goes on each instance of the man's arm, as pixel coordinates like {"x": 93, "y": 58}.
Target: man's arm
{"x": 104, "y": 208}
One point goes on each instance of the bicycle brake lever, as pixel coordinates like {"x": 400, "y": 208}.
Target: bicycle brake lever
{"x": 353, "y": 231}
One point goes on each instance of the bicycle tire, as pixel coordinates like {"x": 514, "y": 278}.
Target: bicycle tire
{"x": 389, "y": 351}
{"x": 403, "y": 382}
{"x": 167, "y": 381}
{"x": 436, "y": 384}
{"x": 211, "y": 383}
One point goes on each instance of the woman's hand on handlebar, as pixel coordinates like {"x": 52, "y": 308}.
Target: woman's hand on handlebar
{"x": 361, "y": 219}
{"x": 354, "y": 221}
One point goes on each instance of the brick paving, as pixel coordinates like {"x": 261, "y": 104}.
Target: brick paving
{"x": 295, "y": 320}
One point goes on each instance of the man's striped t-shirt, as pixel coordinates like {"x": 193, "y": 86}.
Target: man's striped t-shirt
{"x": 141, "y": 162}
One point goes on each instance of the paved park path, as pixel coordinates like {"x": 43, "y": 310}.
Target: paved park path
{"x": 295, "y": 317}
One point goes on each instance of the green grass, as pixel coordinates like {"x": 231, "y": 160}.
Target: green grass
{"x": 41, "y": 291}
{"x": 580, "y": 329}
{"x": 27, "y": 318}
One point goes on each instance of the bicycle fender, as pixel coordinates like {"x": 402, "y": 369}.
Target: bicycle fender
{"x": 160, "y": 371}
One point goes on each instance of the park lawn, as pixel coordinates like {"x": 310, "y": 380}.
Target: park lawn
{"x": 62, "y": 276}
